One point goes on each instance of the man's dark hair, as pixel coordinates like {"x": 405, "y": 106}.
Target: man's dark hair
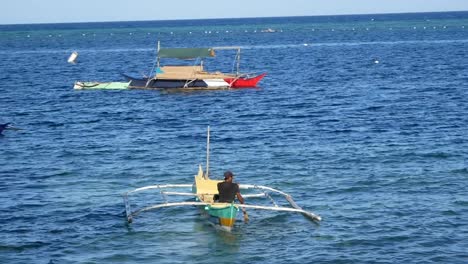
{"x": 228, "y": 174}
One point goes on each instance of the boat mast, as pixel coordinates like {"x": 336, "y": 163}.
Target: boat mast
{"x": 155, "y": 68}
{"x": 238, "y": 61}
{"x": 207, "y": 154}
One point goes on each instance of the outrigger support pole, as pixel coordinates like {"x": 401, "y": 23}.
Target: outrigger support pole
{"x": 128, "y": 209}
{"x": 296, "y": 208}
{"x": 307, "y": 214}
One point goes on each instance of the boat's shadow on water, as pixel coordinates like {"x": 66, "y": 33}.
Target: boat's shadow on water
{"x": 220, "y": 236}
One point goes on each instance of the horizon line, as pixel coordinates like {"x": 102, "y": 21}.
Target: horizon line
{"x": 227, "y": 18}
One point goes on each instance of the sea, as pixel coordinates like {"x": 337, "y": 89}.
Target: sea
{"x": 362, "y": 119}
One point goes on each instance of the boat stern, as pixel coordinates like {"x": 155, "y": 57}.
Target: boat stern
{"x": 223, "y": 214}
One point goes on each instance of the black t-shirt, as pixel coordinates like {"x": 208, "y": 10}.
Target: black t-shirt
{"x": 227, "y": 191}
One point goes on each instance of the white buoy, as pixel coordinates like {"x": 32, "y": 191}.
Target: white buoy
{"x": 376, "y": 61}
{"x": 73, "y": 57}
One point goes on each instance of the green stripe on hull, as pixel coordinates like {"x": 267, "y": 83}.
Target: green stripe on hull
{"x": 229, "y": 211}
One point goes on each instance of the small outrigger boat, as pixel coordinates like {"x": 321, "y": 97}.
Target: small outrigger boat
{"x": 204, "y": 191}
{"x": 193, "y": 76}
{"x": 184, "y": 77}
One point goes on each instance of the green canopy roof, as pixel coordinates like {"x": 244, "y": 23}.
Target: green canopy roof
{"x": 186, "y": 53}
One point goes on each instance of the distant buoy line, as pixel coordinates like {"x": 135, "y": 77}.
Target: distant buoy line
{"x": 257, "y": 31}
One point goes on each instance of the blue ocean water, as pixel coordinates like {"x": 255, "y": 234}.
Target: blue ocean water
{"x": 379, "y": 150}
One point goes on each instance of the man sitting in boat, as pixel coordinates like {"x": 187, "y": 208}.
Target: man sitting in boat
{"x": 228, "y": 190}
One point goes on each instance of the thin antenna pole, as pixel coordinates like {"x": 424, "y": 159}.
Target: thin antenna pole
{"x": 207, "y": 174}
{"x": 159, "y": 47}
{"x": 238, "y": 61}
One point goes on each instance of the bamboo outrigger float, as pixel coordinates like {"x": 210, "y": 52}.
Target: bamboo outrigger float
{"x": 204, "y": 190}
{"x": 101, "y": 85}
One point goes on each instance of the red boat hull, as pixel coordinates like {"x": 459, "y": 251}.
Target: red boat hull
{"x": 244, "y": 82}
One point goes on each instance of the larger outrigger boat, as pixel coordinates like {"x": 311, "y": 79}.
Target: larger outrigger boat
{"x": 204, "y": 190}
{"x": 186, "y": 77}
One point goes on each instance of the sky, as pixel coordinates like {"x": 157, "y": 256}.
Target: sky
{"x": 62, "y": 11}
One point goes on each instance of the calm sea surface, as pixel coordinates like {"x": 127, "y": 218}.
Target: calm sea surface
{"x": 379, "y": 150}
